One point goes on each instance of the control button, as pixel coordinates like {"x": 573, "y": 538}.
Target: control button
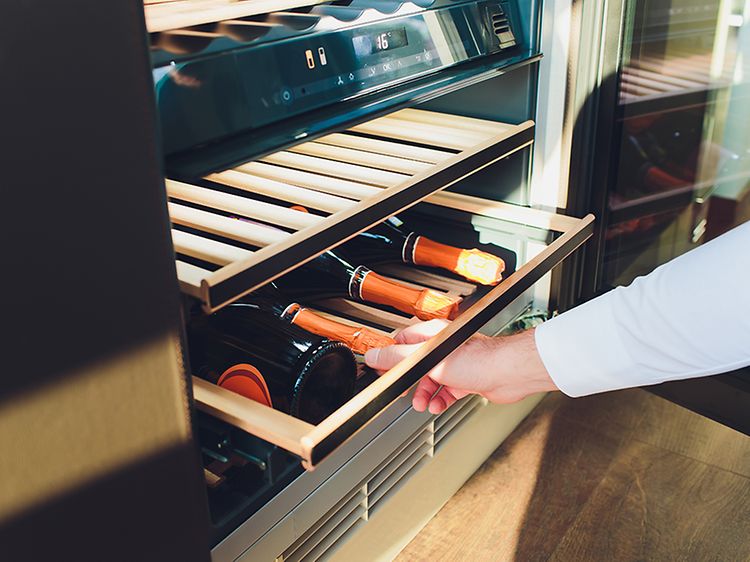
{"x": 427, "y": 55}
{"x": 351, "y": 77}
{"x": 386, "y": 66}
{"x": 340, "y": 81}
{"x": 399, "y": 63}
{"x": 372, "y": 70}
{"x": 287, "y": 96}
{"x": 310, "y": 59}
{"x": 322, "y": 55}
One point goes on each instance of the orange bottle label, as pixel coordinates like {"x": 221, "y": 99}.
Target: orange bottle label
{"x": 246, "y": 380}
{"x": 475, "y": 265}
{"x": 425, "y": 304}
{"x": 358, "y": 338}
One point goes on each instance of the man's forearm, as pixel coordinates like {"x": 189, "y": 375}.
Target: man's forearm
{"x": 689, "y": 318}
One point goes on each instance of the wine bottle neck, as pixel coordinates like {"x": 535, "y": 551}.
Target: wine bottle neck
{"x": 358, "y": 338}
{"x": 410, "y": 244}
{"x": 357, "y": 281}
{"x": 425, "y": 304}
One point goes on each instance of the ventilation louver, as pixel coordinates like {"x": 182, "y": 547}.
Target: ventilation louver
{"x": 503, "y": 32}
{"x": 323, "y": 538}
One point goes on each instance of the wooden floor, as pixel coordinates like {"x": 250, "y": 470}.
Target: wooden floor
{"x": 620, "y": 476}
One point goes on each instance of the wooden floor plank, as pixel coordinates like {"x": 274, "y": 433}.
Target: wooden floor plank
{"x": 609, "y": 477}
{"x": 653, "y": 504}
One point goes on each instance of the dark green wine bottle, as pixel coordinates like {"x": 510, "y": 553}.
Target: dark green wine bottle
{"x": 258, "y": 354}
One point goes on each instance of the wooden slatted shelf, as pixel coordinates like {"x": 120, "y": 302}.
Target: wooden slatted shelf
{"x": 349, "y": 180}
{"x": 312, "y": 443}
{"x": 650, "y": 79}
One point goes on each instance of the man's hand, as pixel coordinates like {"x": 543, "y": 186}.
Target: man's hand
{"x": 502, "y": 369}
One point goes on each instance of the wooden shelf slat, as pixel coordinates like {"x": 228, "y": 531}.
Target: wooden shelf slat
{"x": 258, "y": 210}
{"x": 354, "y": 156}
{"x": 253, "y": 417}
{"x": 460, "y": 122}
{"x": 242, "y": 231}
{"x": 282, "y": 191}
{"x": 191, "y": 277}
{"x": 206, "y": 249}
{"x": 332, "y": 168}
{"x": 682, "y": 82}
{"x": 311, "y": 180}
{"x": 423, "y": 133}
{"x": 385, "y": 147}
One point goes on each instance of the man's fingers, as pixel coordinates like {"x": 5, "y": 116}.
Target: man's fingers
{"x": 441, "y": 401}
{"x": 383, "y": 358}
{"x": 423, "y": 393}
{"x": 421, "y": 331}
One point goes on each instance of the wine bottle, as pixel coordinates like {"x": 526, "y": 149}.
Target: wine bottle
{"x": 639, "y": 170}
{"x": 330, "y": 275}
{"x": 392, "y": 240}
{"x": 358, "y": 338}
{"x": 255, "y": 353}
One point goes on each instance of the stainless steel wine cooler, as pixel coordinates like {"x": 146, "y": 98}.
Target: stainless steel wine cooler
{"x": 160, "y": 155}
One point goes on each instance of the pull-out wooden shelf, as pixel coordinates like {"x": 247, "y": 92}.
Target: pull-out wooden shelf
{"x": 313, "y": 443}
{"x": 351, "y": 180}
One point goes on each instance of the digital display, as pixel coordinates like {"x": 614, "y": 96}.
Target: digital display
{"x": 371, "y": 43}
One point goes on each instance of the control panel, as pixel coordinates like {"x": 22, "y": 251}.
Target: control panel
{"x": 211, "y": 97}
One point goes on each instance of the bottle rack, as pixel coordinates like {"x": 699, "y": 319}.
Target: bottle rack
{"x": 350, "y": 181}
{"x": 650, "y": 84}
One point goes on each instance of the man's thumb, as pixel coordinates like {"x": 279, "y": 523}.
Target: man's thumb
{"x": 383, "y": 358}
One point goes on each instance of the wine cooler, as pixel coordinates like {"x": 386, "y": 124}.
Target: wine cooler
{"x": 222, "y": 205}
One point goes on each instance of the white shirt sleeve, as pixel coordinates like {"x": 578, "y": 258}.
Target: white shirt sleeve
{"x": 688, "y": 318}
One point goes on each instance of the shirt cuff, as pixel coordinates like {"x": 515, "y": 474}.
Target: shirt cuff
{"x": 583, "y": 352}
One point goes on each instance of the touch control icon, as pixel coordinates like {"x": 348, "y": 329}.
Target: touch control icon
{"x": 286, "y": 96}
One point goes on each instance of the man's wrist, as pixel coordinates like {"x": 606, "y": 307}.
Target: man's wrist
{"x": 518, "y": 368}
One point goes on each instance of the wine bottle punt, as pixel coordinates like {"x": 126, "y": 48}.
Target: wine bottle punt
{"x": 253, "y": 352}
{"x": 330, "y": 275}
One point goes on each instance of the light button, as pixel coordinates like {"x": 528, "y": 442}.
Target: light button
{"x": 287, "y": 96}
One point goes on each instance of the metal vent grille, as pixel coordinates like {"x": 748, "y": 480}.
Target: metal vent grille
{"x": 503, "y": 32}
{"x": 321, "y": 540}
{"x": 450, "y": 421}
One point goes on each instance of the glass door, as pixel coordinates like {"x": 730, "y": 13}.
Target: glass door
{"x": 671, "y": 151}
{"x": 681, "y": 142}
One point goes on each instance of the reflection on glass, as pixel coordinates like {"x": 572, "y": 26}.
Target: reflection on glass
{"x": 684, "y": 132}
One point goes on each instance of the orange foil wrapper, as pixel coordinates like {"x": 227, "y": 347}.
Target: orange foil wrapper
{"x": 473, "y": 264}
{"x": 425, "y": 304}
{"x": 358, "y": 338}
